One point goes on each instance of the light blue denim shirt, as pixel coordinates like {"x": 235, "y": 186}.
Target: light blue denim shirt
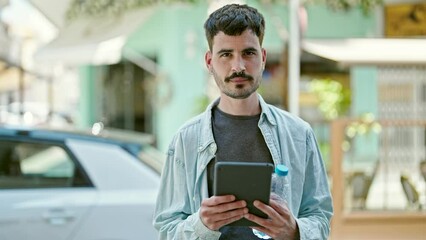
{"x": 290, "y": 140}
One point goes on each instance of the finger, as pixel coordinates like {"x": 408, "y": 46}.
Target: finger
{"x": 267, "y": 226}
{"x": 268, "y": 210}
{"x": 216, "y": 200}
{"x": 213, "y": 221}
{"x": 233, "y": 205}
{"x": 263, "y": 222}
{"x": 218, "y": 224}
{"x": 280, "y": 206}
{"x": 225, "y": 207}
{"x": 233, "y": 214}
{"x": 211, "y": 214}
{"x": 229, "y": 214}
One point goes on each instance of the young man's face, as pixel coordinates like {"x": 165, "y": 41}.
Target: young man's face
{"x": 237, "y": 63}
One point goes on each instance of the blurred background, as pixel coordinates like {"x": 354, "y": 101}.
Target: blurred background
{"x": 354, "y": 69}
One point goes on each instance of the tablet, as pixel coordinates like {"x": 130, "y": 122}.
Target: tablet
{"x": 246, "y": 181}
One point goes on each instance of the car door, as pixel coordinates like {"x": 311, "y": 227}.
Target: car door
{"x": 44, "y": 193}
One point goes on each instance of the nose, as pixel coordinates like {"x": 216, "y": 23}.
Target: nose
{"x": 238, "y": 64}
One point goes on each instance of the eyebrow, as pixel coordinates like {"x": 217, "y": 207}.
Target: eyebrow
{"x": 250, "y": 49}
{"x": 225, "y": 51}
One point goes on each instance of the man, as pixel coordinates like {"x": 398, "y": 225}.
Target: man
{"x": 240, "y": 126}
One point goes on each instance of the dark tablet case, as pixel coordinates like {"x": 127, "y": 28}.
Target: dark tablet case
{"x": 247, "y": 181}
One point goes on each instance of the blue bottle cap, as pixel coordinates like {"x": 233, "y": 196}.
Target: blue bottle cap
{"x": 281, "y": 170}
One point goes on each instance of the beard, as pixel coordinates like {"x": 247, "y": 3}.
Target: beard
{"x": 238, "y": 91}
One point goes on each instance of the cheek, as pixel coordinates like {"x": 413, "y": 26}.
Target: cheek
{"x": 221, "y": 66}
{"x": 254, "y": 66}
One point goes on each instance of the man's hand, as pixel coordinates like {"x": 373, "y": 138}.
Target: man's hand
{"x": 280, "y": 224}
{"x": 218, "y": 211}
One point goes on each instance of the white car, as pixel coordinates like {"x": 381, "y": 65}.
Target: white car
{"x": 63, "y": 186}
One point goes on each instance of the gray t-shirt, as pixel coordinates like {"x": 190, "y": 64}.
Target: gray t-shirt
{"x": 238, "y": 139}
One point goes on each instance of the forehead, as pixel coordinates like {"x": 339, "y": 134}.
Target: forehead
{"x": 246, "y": 40}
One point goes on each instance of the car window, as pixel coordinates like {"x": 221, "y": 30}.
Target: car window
{"x": 35, "y": 165}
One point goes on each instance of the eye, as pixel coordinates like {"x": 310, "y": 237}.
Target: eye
{"x": 250, "y": 53}
{"x": 226, "y": 54}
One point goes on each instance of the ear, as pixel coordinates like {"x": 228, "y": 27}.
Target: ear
{"x": 263, "y": 58}
{"x": 208, "y": 60}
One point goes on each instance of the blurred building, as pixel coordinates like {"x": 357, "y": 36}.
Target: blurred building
{"x": 26, "y": 91}
{"x": 144, "y": 71}
{"x": 378, "y": 150}
{"x": 138, "y": 70}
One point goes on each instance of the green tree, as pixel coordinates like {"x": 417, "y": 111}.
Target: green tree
{"x": 90, "y": 8}
{"x": 345, "y": 5}
{"x": 334, "y": 100}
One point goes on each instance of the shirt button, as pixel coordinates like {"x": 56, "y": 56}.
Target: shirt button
{"x": 213, "y": 148}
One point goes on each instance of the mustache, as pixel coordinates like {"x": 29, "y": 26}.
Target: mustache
{"x": 241, "y": 74}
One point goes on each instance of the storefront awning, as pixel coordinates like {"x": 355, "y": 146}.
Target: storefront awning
{"x": 54, "y": 11}
{"x": 369, "y": 51}
{"x": 93, "y": 41}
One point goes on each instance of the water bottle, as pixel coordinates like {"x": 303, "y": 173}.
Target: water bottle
{"x": 277, "y": 188}
{"x": 278, "y": 181}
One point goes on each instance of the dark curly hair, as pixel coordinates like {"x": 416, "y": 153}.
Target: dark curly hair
{"x": 233, "y": 20}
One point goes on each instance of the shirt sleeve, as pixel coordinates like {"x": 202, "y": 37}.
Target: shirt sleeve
{"x": 316, "y": 208}
{"x": 174, "y": 216}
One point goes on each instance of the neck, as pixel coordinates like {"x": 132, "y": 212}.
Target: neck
{"x": 240, "y": 107}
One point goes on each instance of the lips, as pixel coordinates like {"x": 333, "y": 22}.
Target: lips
{"x": 239, "y": 79}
